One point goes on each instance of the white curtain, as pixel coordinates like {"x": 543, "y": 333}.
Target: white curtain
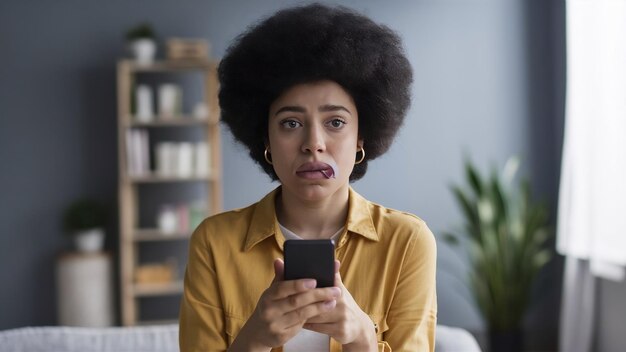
{"x": 592, "y": 199}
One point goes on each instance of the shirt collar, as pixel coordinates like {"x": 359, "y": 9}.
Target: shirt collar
{"x": 360, "y": 219}
{"x": 264, "y": 223}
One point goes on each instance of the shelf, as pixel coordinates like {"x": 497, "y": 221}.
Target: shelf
{"x": 178, "y": 121}
{"x": 161, "y": 179}
{"x": 168, "y": 66}
{"x": 161, "y": 289}
{"x": 157, "y": 235}
{"x": 139, "y": 187}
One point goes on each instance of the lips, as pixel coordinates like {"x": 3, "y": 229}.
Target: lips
{"x": 316, "y": 170}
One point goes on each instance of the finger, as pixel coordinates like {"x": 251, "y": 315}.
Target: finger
{"x": 283, "y": 289}
{"x": 279, "y": 270}
{"x": 302, "y": 299}
{"x": 302, "y": 314}
{"x": 338, "y": 281}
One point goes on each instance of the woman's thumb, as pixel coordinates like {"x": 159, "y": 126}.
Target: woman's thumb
{"x": 279, "y": 269}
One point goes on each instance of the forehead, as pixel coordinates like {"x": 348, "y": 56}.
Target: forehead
{"x": 313, "y": 94}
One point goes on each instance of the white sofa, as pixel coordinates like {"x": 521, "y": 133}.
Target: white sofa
{"x": 158, "y": 338}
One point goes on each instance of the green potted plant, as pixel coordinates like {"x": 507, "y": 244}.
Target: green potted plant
{"x": 506, "y": 233}
{"x": 142, "y": 43}
{"x": 84, "y": 220}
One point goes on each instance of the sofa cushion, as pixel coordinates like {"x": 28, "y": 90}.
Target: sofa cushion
{"x": 156, "y": 338}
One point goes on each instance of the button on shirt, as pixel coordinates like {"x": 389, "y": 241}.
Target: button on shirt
{"x": 388, "y": 261}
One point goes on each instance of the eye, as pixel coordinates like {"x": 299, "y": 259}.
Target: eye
{"x": 290, "y": 124}
{"x": 336, "y": 123}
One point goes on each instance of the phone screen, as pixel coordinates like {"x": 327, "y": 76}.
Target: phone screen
{"x": 310, "y": 259}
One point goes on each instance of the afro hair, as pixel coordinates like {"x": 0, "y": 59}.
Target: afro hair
{"x": 311, "y": 43}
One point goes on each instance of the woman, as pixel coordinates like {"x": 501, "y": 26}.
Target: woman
{"x": 314, "y": 93}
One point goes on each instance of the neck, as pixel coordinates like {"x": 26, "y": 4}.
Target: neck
{"x": 313, "y": 219}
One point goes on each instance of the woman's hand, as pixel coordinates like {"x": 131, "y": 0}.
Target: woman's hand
{"x": 346, "y": 323}
{"x": 282, "y": 310}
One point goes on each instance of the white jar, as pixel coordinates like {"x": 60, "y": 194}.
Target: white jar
{"x": 168, "y": 220}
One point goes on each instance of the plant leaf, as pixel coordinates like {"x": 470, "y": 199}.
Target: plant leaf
{"x": 451, "y": 238}
{"x": 508, "y": 233}
{"x": 474, "y": 179}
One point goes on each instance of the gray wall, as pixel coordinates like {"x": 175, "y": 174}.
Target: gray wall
{"x": 488, "y": 84}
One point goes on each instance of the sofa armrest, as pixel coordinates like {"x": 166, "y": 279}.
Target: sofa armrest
{"x": 451, "y": 339}
{"x": 158, "y": 338}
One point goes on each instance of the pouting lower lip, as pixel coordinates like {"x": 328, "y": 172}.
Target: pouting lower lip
{"x": 326, "y": 169}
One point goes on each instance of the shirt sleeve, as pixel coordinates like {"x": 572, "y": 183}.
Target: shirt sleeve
{"x": 412, "y": 317}
{"x": 201, "y": 315}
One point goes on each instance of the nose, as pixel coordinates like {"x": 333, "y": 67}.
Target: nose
{"x": 313, "y": 140}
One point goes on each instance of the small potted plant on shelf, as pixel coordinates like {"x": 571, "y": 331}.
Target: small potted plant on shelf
{"x": 84, "y": 220}
{"x": 507, "y": 234}
{"x": 142, "y": 43}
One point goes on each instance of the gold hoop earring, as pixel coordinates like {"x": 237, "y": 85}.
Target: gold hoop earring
{"x": 362, "y": 157}
{"x": 266, "y": 158}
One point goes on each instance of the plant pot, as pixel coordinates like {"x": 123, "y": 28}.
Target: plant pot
{"x": 89, "y": 241}
{"x": 143, "y": 50}
{"x": 505, "y": 341}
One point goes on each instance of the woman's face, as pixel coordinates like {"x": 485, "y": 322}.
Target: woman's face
{"x": 313, "y": 138}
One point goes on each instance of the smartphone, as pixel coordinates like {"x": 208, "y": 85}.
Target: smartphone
{"x": 310, "y": 259}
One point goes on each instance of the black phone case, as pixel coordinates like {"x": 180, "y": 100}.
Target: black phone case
{"x": 310, "y": 259}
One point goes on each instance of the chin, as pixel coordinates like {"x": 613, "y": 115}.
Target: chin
{"x": 312, "y": 191}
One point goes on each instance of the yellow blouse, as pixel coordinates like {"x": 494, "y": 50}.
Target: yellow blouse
{"x": 388, "y": 261}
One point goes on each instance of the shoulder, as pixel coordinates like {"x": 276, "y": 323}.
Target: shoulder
{"x": 238, "y": 227}
{"x": 395, "y": 217}
{"x": 396, "y": 225}
{"x": 230, "y": 216}
{"x": 225, "y": 226}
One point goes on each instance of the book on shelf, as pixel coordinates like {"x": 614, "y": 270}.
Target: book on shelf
{"x": 182, "y": 159}
{"x": 138, "y": 152}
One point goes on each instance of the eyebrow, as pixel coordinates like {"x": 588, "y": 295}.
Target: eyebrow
{"x": 323, "y": 108}
{"x": 330, "y": 107}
